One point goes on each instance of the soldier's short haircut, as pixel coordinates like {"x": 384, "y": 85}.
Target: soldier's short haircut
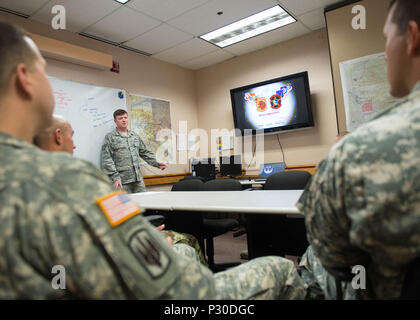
{"x": 43, "y": 138}
{"x": 405, "y": 11}
{"x": 14, "y": 49}
{"x": 119, "y": 112}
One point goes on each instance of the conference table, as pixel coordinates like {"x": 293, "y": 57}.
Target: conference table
{"x": 252, "y": 202}
{"x": 271, "y": 215}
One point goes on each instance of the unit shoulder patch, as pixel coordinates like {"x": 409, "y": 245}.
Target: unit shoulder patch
{"x": 155, "y": 261}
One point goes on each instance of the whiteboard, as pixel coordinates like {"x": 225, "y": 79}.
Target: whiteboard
{"x": 89, "y": 109}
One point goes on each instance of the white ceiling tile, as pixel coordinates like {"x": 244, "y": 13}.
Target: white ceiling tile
{"x": 79, "y": 13}
{"x": 159, "y": 39}
{"x": 122, "y": 25}
{"x": 207, "y": 60}
{"x": 288, "y": 32}
{"x": 314, "y": 20}
{"x": 186, "y": 51}
{"x": 139, "y": 24}
{"x": 299, "y": 7}
{"x": 205, "y": 18}
{"x": 164, "y": 9}
{"x": 23, "y": 6}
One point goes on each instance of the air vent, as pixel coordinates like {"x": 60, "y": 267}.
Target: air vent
{"x": 91, "y": 36}
{"x": 14, "y": 12}
{"x": 135, "y": 50}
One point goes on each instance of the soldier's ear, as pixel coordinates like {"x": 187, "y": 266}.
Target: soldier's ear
{"x": 58, "y": 139}
{"x": 413, "y": 32}
{"x": 23, "y": 81}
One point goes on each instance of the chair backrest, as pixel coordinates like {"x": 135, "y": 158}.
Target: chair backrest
{"x": 222, "y": 185}
{"x": 292, "y": 231}
{"x": 187, "y": 185}
{"x": 184, "y": 221}
{"x": 287, "y": 180}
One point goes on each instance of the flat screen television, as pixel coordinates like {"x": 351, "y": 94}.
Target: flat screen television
{"x": 276, "y": 105}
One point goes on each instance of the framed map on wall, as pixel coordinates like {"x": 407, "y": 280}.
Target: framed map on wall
{"x": 365, "y": 89}
{"x": 150, "y": 118}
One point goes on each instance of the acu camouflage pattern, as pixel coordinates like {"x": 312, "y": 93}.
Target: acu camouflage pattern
{"x": 49, "y": 217}
{"x": 186, "y": 250}
{"x": 265, "y": 278}
{"x": 134, "y": 187}
{"x": 362, "y": 206}
{"x": 261, "y": 278}
{"x": 187, "y": 239}
{"x": 120, "y": 156}
{"x": 318, "y": 282}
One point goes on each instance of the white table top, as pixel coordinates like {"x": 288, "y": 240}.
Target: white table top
{"x": 264, "y": 201}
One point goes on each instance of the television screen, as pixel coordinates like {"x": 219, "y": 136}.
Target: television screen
{"x": 274, "y": 106}
{"x": 231, "y": 166}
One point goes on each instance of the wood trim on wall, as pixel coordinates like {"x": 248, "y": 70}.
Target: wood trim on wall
{"x": 163, "y": 179}
{"x": 63, "y": 51}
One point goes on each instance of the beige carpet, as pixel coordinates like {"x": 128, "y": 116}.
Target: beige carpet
{"x": 228, "y": 249}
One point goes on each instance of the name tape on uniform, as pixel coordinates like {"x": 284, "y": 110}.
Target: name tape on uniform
{"x": 118, "y": 207}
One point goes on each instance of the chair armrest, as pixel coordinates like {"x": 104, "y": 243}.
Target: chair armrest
{"x": 155, "y": 219}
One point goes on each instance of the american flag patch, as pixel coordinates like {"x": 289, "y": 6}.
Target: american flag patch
{"x": 117, "y": 207}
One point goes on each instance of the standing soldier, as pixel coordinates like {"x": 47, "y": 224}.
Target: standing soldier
{"x": 120, "y": 155}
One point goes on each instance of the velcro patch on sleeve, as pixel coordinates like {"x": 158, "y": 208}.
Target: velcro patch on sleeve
{"x": 154, "y": 260}
{"x": 117, "y": 207}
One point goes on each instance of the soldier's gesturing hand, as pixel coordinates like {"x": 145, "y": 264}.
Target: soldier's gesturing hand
{"x": 117, "y": 185}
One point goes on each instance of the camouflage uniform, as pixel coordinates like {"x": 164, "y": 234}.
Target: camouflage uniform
{"x": 319, "y": 283}
{"x": 120, "y": 159}
{"x": 49, "y": 217}
{"x": 362, "y": 206}
{"x": 187, "y": 239}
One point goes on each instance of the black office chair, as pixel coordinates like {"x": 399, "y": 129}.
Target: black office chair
{"x": 287, "y": 180}
{"x": 278, "y": 234}
{"x": 155, "y": 219}
{"x": 186, "y": 221}
{"x": 214, "y": 227}
{"x": 189, "y": 183}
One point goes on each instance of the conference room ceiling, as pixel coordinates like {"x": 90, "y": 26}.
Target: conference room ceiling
{"x": 169, "y": 30}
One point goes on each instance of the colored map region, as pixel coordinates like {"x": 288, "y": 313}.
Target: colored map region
{"x": 365, "y": 89}
{"x": 150, "y": 118}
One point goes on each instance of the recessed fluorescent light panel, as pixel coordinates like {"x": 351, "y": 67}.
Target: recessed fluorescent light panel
{"x": 122, "y": 1}
{"x": 252, "y": 26}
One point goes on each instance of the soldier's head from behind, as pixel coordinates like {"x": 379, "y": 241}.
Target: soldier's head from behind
{"x": 57, "y": 137}
{"x": 121, "y": 119}
{"x": 25, "y": 90}
{"x": 402, "y": 33}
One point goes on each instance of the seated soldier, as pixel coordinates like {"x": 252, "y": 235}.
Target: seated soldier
{"x": 59, "y": 137}
{"x": 362, "y": 206}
